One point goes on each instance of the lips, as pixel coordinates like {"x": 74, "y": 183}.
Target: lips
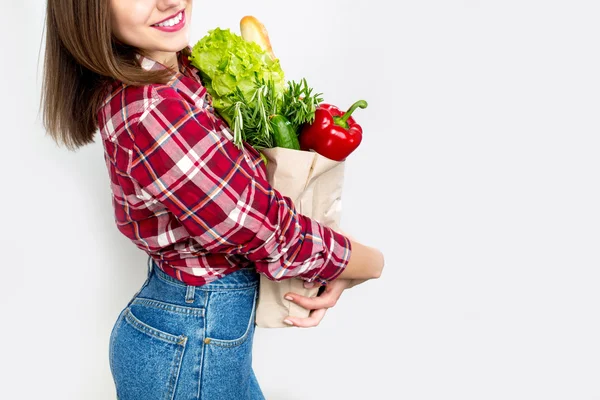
{"x": 172, "y": 28}
{"x": 168, "y": 18}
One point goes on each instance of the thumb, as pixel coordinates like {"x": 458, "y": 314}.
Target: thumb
{"x": 310, "y": 285}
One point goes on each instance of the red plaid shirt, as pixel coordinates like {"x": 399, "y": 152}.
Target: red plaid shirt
{"x": 198, "y": 205}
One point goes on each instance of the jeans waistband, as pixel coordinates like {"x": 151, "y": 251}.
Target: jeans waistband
{"x": 242, "y": 278}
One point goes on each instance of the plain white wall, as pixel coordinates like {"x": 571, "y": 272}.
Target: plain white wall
{"x": 477, "y": 177}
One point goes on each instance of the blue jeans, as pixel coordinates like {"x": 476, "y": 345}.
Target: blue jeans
{"x": 174, "y": 341}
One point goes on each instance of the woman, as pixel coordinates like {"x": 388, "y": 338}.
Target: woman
{"x": 201, "y": 208}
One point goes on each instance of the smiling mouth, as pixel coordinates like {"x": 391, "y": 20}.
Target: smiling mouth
{"x": 173, "y": 21}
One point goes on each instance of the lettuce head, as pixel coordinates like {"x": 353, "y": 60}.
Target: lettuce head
{"x": 226, "y": 61}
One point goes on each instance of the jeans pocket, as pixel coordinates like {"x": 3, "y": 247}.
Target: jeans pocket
{"x": 230, "y": 316}
{"x": 228, "y": 352}
{"x": 228, "y": 372}
{"x": 144, "y": 360}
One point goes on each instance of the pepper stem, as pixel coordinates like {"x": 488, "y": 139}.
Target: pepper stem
{"x": 343, "y": 120}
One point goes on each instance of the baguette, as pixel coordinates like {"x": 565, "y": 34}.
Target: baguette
{"x": 254, "y": 31}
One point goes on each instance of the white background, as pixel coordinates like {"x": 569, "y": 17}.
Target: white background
{"x": 478, "y": 178}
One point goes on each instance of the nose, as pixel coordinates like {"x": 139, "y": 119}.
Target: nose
{"x": 165, "y": 5}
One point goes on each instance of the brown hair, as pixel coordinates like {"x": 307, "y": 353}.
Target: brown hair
{"x": 82, "y": 58}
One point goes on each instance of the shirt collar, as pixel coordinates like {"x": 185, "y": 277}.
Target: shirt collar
{"x": 186, "y": 67}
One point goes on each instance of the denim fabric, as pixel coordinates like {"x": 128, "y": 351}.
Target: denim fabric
{"x": 179, "y": 342}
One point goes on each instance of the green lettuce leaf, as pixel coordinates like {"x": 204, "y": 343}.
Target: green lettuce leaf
{"x": 226, "y": 61}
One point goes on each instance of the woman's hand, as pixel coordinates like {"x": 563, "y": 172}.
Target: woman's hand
{"x": 318, "y": 305}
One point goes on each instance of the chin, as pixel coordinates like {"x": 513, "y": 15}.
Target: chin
{"x": 175, "y": 44}
{"x": 171, "y": 47}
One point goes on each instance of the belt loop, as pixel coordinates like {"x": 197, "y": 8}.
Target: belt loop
{"x": 150, "y": 265}
{"x": 189, "y": 294}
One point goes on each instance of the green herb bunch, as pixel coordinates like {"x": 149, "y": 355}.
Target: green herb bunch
{"x": 252, "y": 114}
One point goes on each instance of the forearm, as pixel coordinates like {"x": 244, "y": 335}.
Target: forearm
{"x": 365, "y": 263}
{"x": 355, "y": 282}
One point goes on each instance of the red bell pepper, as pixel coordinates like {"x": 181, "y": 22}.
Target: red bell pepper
{"x": 333, "y": 134}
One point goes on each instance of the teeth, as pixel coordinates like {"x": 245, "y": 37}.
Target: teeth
{"x": 172, "y": 21}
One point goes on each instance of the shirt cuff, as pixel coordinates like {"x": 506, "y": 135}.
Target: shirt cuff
{"x": 338, "y": 248}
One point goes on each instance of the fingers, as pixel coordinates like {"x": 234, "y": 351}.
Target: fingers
{"x": 327, "y": 299}
{"x": 313, "y": 320}
{"x": 318, "y": 305}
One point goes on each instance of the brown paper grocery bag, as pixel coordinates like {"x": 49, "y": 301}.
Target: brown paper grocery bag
{"x": 314, "y": 183}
